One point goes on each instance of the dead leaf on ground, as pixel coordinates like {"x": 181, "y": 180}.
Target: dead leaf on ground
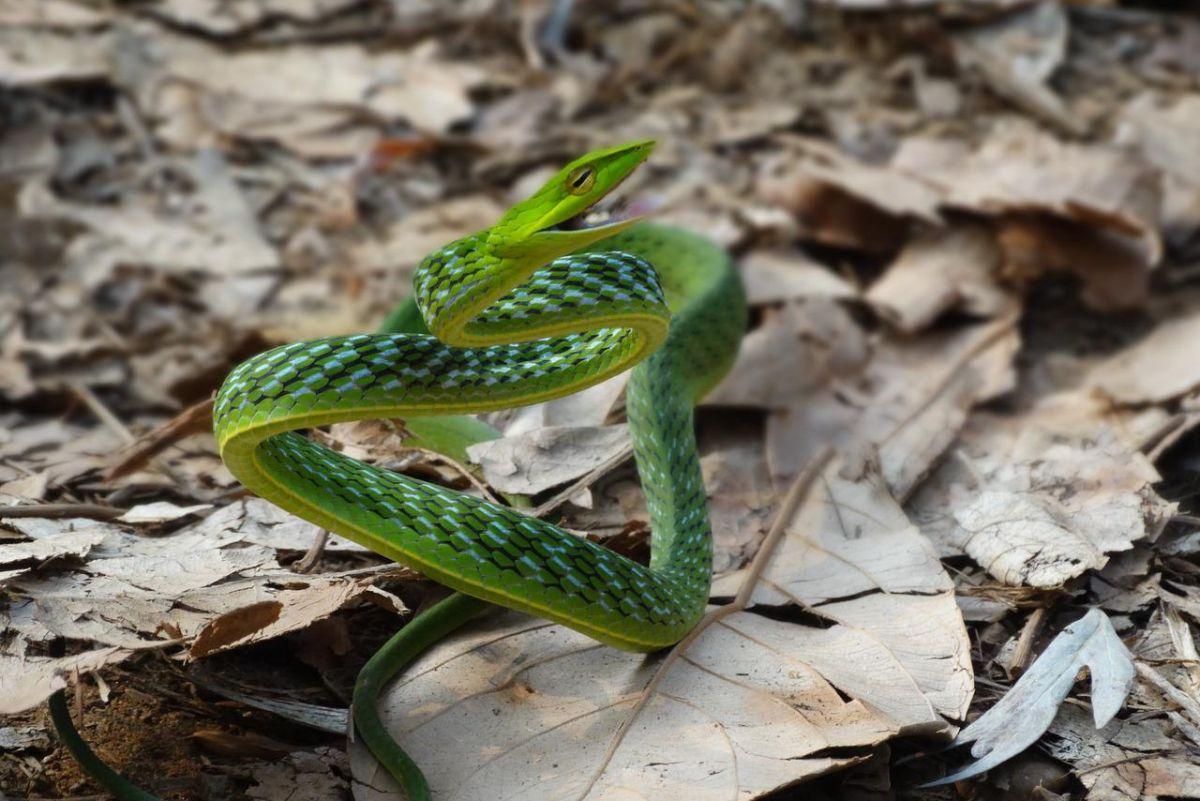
{"x": 750, "y": 706}
{"x": 1127, "y": 759}
{"x": 533, "y": 462}
{"x": 1159, "y": 367}
{"x": 1089, "y": 209}
{"x": 1026, "y": 711}
{"x": 774, "y": 276}
{"x": 906, "y": 403}
{"x": 26, "y": 681}
{"x": 843, "y": 202}
{"x": 1017, "y": 55}
{"x": 952, "y": 268}
{"x": 1039, "y": 498}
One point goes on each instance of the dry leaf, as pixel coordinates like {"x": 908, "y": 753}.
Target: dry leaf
{"x": 843, "y": 202}
{"x": 906, "y": 404}
{"x": 1018, "y": 54}
{"x": 26, "y": 681}
{"x": 796, "y": 350}
{"x": 220, "y": 18}
{"x": 533, "y": 462}
{"x": 317, "y": 775}
{"x": 1127, "y": 759}
{"x": 1162, "y": 128}
{"x": 1160, "y": 367}
{"x": 1040, "y": 498}
{"x": 947, "y": 268}
{"x": 160, "y": 512}
{"x": 516, "y": 706}
{"x": 772, "y": 276}
{"x": 1097, "y": 194}
{"x": 1026, "y": 711}
{"x": 216, "y": 231}
{"x": 289, "y": 609}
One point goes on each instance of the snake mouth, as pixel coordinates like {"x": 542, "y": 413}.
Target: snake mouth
{"x": 607, "y": 216}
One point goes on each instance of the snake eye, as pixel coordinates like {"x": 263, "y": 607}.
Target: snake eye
{"x": 581, "y": 180}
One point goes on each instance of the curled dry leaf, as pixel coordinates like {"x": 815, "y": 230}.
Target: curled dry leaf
{"x": 1040, "y": 498}
{"x": 843, "y": 202}
{"x": 1090, "y": 209}
{"x": 1024, "y": 714}
{"x": 947, "y": 268}
{"x": 514, "y": 707}
{"x": 298, "y": 606}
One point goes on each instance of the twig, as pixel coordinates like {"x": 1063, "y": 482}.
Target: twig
{"x": 314, "y": 553}
{"x": 60, "y": 510}
{"x": 1185, "y": 726}
{"x": 1029, "y": 634}
{"x": 193, "y": 420}
{"x": 102, "y": 412}
{"x": 1173, "y": 693}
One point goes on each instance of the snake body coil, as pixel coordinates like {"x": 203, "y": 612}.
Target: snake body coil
{"x": 518, "y": 313}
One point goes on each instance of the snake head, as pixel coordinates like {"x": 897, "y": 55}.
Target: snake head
{"x": 528, "y": 230}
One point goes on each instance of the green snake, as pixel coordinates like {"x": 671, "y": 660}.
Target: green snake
{"x": 530, "y": 309}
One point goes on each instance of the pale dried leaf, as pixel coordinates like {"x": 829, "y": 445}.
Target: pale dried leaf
{"x": 160, "y": 512}
{"x": 26, "y": 681}
{"x": 1019, "y": 169}
{"x": 796, "y": 350}
{"x": 221, "y": 18}
{"x": 317, "y": 775}
{"x": 287, "y": 610}
{"x": 19, "y": 738}
{"x": 530, "y": 463}
{"x": 1017, "y": 54}
{"x": 258, "y": 522}
{"x": 772, "y": 276}
{"x": 906, "y": 404}
{"x": 30, "y": 57}
{"x": 947, "y": 268}
{"x": 751, "y": 705}
{"x": 215, "y": 232}
{"x": 1024, "y": 714}
{"x": 67, "y": 543}
{"x": 999, "y": 496}
{"x": 1159, "y": 367}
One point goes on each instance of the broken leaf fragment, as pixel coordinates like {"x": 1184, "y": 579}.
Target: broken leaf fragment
{"x": 1024, "y": 714}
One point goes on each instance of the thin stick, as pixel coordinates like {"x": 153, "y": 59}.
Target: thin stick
{"x": 1182, "y": 699}
{"x": 314, "y": 553}
{"x": 102, "y": 412}
{"x": 1029, "y": 634}
{"x": 60, "y": 510}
